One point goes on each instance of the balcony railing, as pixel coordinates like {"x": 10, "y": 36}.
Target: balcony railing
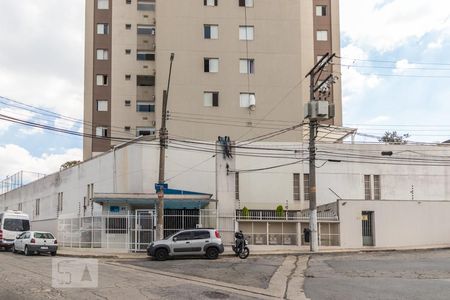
{"x": 272, "y": 215}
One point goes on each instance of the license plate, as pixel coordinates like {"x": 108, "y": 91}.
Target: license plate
{"x": 44, "y": 248}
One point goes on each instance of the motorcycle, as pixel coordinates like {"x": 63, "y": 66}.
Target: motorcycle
{"x": 240, "y": 246}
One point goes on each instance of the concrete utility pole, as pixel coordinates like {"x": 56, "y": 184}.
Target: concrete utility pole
{"x": 163, "y": 134}
{"x": 316, "y": 110}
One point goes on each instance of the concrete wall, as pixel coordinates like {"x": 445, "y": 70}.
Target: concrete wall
{"x": 396, "y": 223}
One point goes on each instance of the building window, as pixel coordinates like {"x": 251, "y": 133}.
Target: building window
{"x": 247, "y": 99}
{"x": 247, "y": 66}
{"x": 127, "y": 102}
{"x": 102, "y": 28}
{"x": 19, "y": 207}
{"x": 60, "y": 202}
{"x": 146, "y": 29}
{"x": 246, "y": 3}
{"x": 102, "y": 105}
{"x": 322, "y": 35}
{"x": 376, "y": 187}
{"x": 37, "y": 209}
{"x": 246, "y": 33}
{"x": 210, "y": 2}
{"x": 102, "y": 54}
{"x": 128, "y": 1}
{"x": 127, "y": 51}
{"x": 140, "y": 131}
{"x": 101, "y": 131}
{"x": 127, "y": 128}
{"x": 367, "y": 188}
{"x": 145, "y": 80}
{"x": 128, "y": 26}
{"x": 236, "y": 185}
{"x": 306, "y": 187}
{"x": 145, "y": 55}
{"x": 211, "y": 65}
{"x": 142, "y": 106}
{"x": 321, "y": 10}
{"x": 127, "y": 77}
{"x": 296, "y": 192}
{"x": 372, "y": 187}
{"x": 103, "y": 4}
{"x": 211, "y": 99}
{"x": 102, "y": 80}
{"x": 146, "y": 5}
{"x": 211, "y": 32}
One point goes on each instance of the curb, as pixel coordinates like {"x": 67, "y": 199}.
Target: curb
{"x": 300, "y": 253}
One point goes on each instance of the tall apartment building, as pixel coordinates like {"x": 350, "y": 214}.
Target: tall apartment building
{"x": 239, "y": 67}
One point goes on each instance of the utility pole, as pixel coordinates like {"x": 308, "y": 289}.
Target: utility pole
{"x": 163, "y": 134}
{"x": 316, "y": 110}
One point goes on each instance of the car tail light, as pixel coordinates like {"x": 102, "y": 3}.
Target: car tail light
{"x": 217, "y": 234}
{"x": 56, "y": 242}
{"x": 33, "y": 241}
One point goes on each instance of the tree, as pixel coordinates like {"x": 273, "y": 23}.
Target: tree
{"x": 394, "y": 138}
{"x": 245, "y": 212}
{"x": 69, "y": 164}
{"x": 280, "y": 211}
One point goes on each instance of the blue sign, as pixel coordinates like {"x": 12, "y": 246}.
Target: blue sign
{"x": 159, "y": 186}
{"x": 114, "y": 209}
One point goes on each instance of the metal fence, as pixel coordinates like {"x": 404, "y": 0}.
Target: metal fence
{"x": 128, "y": 232}
{"x": 133, "y": 232}
{"x": 285, "y": 215}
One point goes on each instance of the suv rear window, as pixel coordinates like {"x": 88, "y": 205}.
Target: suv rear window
{"x": 16, "y": 225}
{"x": 200, "y": 235}
{"x": 43, "y": 235}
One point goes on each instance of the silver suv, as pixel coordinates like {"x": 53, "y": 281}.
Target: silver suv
{"x": 203, "y": 241}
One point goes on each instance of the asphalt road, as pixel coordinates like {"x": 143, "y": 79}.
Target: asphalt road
{"x": 30, "y": 277}
{"x": 389, "y": 275}
{"x": 255, "y": 271}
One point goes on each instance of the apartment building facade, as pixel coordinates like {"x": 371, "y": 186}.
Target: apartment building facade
{"x": 239, "y": 67}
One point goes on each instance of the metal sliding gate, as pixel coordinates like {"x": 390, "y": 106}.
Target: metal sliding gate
{"x": 367, "y": 228}
{"x": 142, "y": 229}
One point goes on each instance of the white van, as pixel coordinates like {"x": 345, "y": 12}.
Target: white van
{"x": 12, "y": 223}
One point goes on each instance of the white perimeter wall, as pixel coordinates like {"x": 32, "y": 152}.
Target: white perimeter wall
{"x": 396, "y": 223}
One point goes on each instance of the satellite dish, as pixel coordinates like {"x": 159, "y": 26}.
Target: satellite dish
{"x": 252, "y": 107}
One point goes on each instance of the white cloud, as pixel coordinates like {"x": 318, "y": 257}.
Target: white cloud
{"x": 387, "y": 25}
{"x": 41, "y": 62}
{"x": 14, "y": 113}
{"x": 14, "y": 158}
{"x": 64, "y": 124}
{"x": 356, "y": 82}
{"x": 402, "y": 66}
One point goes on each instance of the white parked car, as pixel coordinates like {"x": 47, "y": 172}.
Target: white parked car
{"x": 31, "y": 242}
{"x": 12, "y": 223}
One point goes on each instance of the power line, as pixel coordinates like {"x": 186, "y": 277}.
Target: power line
{"x": 392, "y": 61}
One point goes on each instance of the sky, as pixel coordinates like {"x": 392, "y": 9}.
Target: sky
{"x": 395, "y": 74}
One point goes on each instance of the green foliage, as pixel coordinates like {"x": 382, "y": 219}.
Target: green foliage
{"x": 69, "y": 164}
{"x": 280, "y": 211}
{"x": 394, "y": 138}
{"x": 245, "y": 212}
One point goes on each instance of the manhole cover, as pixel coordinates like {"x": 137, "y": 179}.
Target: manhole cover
{"x": 216, "y": 295}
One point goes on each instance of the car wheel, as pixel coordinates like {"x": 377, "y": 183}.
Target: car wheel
{"x": 161, "y": 254}
{"x": 53, "y": 253}
{"x": 212, "y": 253}
{"x": 26, "y": 251}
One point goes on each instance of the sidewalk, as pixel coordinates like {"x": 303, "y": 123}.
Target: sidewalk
{"x": 254, "y": 250}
